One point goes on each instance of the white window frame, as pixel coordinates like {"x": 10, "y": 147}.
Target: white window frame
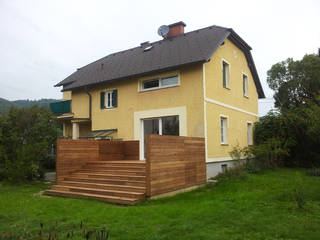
{"x": 227, "y": 74}
{"x": 245, "y": 93}
{"x": 250, "y": 133}
{"x": 224, "y": 137}
{"x": 160, "y": 83}
{"x": 106, "y": 96}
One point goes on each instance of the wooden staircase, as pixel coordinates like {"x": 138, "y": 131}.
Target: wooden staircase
{"x": 122, "y": 182}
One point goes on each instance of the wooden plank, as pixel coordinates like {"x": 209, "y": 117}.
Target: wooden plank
{"x": 174, "y": 162}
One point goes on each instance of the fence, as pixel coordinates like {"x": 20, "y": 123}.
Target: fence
{"x": 74, "y": 154}
{"x": 174, "y": 162}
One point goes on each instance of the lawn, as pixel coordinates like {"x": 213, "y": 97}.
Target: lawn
{"x": 257, "y": 206}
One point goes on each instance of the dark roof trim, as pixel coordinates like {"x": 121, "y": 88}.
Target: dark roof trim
{"x": 135, "y": 76}
{"x": 240, "y": 43}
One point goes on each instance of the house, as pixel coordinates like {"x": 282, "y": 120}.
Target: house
{"x": 201, "y": 83}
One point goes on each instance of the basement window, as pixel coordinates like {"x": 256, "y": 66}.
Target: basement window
{"x": 160, "y": 83}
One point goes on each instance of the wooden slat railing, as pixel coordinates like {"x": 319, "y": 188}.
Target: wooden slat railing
{"x": 72, "y": 155}
{"x": 173, "y": 163}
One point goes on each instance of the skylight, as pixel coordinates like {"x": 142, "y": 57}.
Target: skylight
{"x": 147, "y": 48}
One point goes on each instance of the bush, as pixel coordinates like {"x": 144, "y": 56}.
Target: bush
{"x": 314, "y": 172}
{"x": 56, "y": 232}
{"x": 27, "y": 136}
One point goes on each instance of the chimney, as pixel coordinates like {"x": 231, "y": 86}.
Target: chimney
{"x": 176, "y": 29}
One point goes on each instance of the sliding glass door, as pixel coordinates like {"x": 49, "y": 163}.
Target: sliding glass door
{"x": 162, "y": 126}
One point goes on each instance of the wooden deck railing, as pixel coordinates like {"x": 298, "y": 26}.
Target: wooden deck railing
{"x": 173, "y": 163}
{"x": 74, "y": 154}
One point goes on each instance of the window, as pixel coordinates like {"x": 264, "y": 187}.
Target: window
{"x": 225, "y": 74}
{"x": 223, "y": 126}
{"x": 151, "y": 84}
{"x": 160, "y": 83}
{"x": 249, "y": 133}
{"x": 161, "y": 126}
{"x": 109, "y": 99}
{"x": 245, "y": 85}
{"x": 224, "y": 167}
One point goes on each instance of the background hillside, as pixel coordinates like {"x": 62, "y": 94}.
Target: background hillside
{"x": 6, "y": 104}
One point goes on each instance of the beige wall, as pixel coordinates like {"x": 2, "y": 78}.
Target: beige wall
{"x": 228, "y": 102}
{"x": 66, "y": 95}
{"x": 131, "y": 100}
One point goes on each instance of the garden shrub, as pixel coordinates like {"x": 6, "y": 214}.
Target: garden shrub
{"x": 27, "y": 136}
{"x": 56, "y": 232}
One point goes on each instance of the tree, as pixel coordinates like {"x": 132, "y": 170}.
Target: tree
{"x": 295, "y": 82}
{"x": 293, "y": 134}
{"x": 27, "y": 136}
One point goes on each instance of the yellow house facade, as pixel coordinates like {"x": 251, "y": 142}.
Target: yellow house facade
{"x": 215, "y": 97}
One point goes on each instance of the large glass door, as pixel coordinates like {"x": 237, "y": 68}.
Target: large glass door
{"x": 162, "y": 126}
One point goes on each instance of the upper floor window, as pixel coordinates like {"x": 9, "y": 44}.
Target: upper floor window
{"x": 225, "y": 74}
{"x": 160, "y": 83}
{"x": 245, "y": 85}
{"x": 223, "y": 128}
{"x": 109, "y": 99}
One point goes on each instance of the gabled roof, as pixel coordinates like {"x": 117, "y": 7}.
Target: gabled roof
{"x": 190, "y": 48}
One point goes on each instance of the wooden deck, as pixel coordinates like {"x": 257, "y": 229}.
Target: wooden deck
{"x": 121, "y": 182}
{"x": 109, "y": 171}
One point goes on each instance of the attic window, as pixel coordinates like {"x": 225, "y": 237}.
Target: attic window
{"x": 147, "y": 48}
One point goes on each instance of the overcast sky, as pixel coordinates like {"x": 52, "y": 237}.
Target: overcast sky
{"x": 43, "y": 41}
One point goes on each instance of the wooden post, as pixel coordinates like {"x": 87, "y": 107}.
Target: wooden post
{"x": 148, "y": 165}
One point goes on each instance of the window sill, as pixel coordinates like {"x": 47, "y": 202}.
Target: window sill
{"x": 224, "y": 144}
{"x": 228, "y": 88}
{"x": 109, "y": 108}
{"x": 245, "y": 96}
{"x": 158, "y": 88}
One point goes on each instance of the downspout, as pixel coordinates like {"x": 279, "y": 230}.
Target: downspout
{"x": 90, "y": 102}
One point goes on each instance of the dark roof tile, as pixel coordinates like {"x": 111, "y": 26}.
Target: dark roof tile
{"x": 189, "y": 48}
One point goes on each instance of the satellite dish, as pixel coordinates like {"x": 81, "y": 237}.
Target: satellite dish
{"x": 163, "y": 31}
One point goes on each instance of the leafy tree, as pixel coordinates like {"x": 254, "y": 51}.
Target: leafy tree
{"x": 291, "y": 136}
{"x": 27, "y": 136}
{"x": 295, "y": 82}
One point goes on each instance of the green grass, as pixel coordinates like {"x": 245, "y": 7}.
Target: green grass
{"x": 258, "y": 206}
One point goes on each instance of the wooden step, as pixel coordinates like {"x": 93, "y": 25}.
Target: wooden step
{"x": 106, "y": 181}
{"x": 125, "y": 194}
{"x": 104, "y": 186}
{"x": 118, "y": 163}
{"x": 104, "y": 167}
{"x": 108, "y": 176}
{"x": 112, "y": 199}
{"x": 114, "y": 172}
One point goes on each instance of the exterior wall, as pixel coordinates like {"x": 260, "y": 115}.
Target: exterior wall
{"x": 66, "y": 95}
{"x": 214, "y": 168}
{"x": 84, "y": 128}
{"x": 80, "y": 104}
{"x": 228, "y": 102}
{"x": 67, "y": 129}
{"x": 130, "y": 100}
